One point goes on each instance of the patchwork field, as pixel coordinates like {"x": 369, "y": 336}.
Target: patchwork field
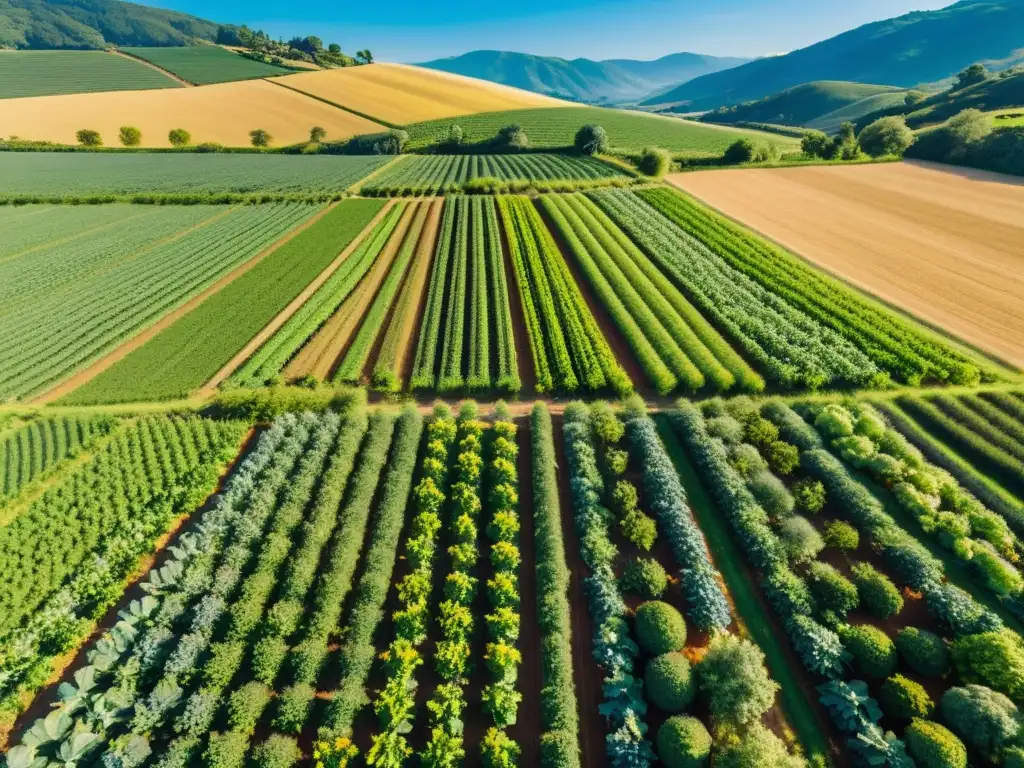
{"x": 399, "y": 94}
{"x": 555, "y": 127}
{"x": 45, "y": 73}
{"x": 54, "y": 174}
{"x": 943, "y": 244}
{"x": 206, "y": 64}
{"x": 223, "y": 113}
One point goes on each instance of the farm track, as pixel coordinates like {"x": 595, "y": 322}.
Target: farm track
{"x": 275, "y": 325}
{"x": 77, "y": 380}
{"x": 326, "y": 349}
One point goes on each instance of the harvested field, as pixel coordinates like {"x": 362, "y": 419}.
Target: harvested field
{"x": 223, "y": 113}
{"x": 402, "y": 94}
{"x": 943, "y": 244}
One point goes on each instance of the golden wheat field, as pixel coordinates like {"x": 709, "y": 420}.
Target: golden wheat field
{"x": 401, "y": 94}
{"x": 223, "y": 113}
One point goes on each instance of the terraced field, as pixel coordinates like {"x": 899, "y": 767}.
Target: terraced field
{"x": 46, "y": 73}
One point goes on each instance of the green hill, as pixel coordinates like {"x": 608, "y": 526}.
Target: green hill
{"x": 205, "y": 64}
{"x": 94, "y": 24}
{"x": 47, "y": 73}
{"x": 595, "y": 82}
{"x": 800, "y": 105}
{"x": 851, "y": 113}
{"x": 920, "y": 47}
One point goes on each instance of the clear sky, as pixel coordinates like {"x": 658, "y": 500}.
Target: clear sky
{"x": 418, "y": 30}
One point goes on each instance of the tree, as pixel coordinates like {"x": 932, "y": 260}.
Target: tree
{"x": 654, "y": 162}
{"x": 845, "y": 144}
{"x": 317, "y": 134}
{"x": 986, "y": 720}
{"x": 334, "y": 49}
{"x": 591, "y": 140}
{"x": 130, "y": 136}
{"x": 740, "y": 151}
{"x": 974, "y": 74}
{"x": 179, "y": 137}
{"x": 260, "y": 138}
{"x": 89, "y": 138}
{"x": 454, "y": 136}
{"x": 817, "y": 144}
{"x": 365, "y": 56}
{"x": 513, "y": 137}
{"x": 969, "y": 126}
{"x": 313, "y": 44}
{"x": 886, "y": 136}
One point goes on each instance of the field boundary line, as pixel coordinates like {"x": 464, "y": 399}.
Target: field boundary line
{"x": 93, "y": 370}
{"x": 336, "y": 105}
{"x": 929, "y": 328}
{"x": 180, "y": 80}
{"x": 357, "y": 187}
{"x": 286, "y": 314}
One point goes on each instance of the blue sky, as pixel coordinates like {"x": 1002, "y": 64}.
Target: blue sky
{"x": 417, "y": 30}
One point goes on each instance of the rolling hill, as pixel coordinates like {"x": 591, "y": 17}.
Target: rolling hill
{"x": 802, "y": 104}
{"x": 919, "y": 47}
{"x": 93, "y": 24}
{"x": 596, "y": 82}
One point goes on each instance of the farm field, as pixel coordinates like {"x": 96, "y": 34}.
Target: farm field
{"x": 71, "y": 295}
{"x": 223, "y": 113}
{"x": 434, "y": 174}
{"x": 942, "y": 244}
{"x": 400, "y": 94}
{"x": 46, "y": 73}
{"x": 54, "y": 174}
{"x": 555, "y": 127}
{"x": 206, "y": 64}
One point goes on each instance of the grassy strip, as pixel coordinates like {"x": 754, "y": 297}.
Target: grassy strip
{"x": 751, "y": 612}
{"x": 186, "y": 355}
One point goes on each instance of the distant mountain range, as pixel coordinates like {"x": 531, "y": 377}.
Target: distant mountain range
{"x": 920, "y": 47}
{"x": 616, "y": 81}
{"x": 86, "y": 24}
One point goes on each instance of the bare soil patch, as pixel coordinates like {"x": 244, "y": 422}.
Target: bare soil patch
{"x": 942, "y": 244}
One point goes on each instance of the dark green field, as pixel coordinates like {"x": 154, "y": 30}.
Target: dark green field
{"x": 47, "y": 73}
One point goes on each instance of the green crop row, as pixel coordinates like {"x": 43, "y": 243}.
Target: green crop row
{"x": 189, "y": 353}
{"x": 479, "y": 363}
{"x": 46, "y": 73}
{"x": 424, "y": 373}
{"x": 451, "y": 377}
{"x": 504, "y": 336}
{"x": 270, "y": 359}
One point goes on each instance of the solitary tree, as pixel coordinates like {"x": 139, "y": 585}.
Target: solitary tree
{"x": 740, "y": 151}
{"x": 513, "y": 137}
{"x": 845, "y": 145}
{"x": 365, "y": 56}
{"x": 454, "y": 136}
{"x": 654, "y": 161}
{"x": 334, "y": 48}
{"x": 89, "y": 138}
{"x": 130, "y": 136}
{"x": 591, "y": 140}
{"x": 260, "y": 138}
{"x": 179, "y": 137}
{"x": 976, "y": 73}
{"x": 317, "y": 134}
{"x": 886, "y": 136}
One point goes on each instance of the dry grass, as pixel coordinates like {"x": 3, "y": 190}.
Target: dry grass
{"x": 941, "y": 242}
{"x": 401, "y": 94}
{"x": 222, "y": 113}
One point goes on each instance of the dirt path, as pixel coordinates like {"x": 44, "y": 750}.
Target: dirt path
{"x": 939, "y": 243}
{"x": 151, "y": 65}
{"x": 419, "y": 276}
{"x": 320, "y": 356}
{"x": 286, "y": 314}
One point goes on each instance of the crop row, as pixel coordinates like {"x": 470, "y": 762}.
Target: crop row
{"x": 64, "y": 559}
{"x": 450, "y": 375}
{"x": 569, "y": 349}
{"x": 789, "y": 347}
{"x": 38, "y": 447}
{"x": 442, "y": 173}
{"x": 69, "y": 304}
{"x": 268, "y": 362}
{"x": 894, "y": 344}
{"x": 192, "y": 350}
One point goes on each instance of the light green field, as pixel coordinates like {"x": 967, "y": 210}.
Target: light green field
{"x": 205, "y": 64}
{"x": 48, "y": 73}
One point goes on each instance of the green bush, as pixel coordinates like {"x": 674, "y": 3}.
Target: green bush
{"x": 871, "y": 648}
{"x": 801, "y": 539}
{"x": 986, "y": 720}
{"x": 276, "y": 752}
{"x": 903, "y": 699}
{"x": 591, "y": 140}
{"x": 886, "y": 136}
{"x": 995, "y": 659}
{"x": 226, "y": 750}
{"x": 841, "y": 535}
{"x": 835, "y": 594}
{"x": 89, "y": 138}
{"x": 639, "y": 529}
{"x": 246, "y": 706}
{"x": 773, "y": 495}
{"x": 740, "y": 151}
{"x": 809, "y": 496}
{"x": 260, "y": 138}
{"x": 783, "y": 458}
{"x": 924, "y": 652}
{"x": 654, "y": 162}
{"x": 179, "y": 137}
{"x": 645, "y": 577}
{"x": 933, "y": 746}
{"x": 878, "y": 595}
{"x": 293, "y": 707}
{"x": 660, "y": 628}
{"x": 733, "y": 677}
{"x": 684, "y": 742}
{"x": 757, "y": 747}
{"x": 669, "y": 681}
{"x": 130, "y": 136}
{"x": 267, "y": 658}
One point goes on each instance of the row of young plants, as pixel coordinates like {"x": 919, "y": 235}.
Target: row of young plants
{"x": 569, "y": 350}
{"x": 122, "y": 664}
{"x": 970, "y": 434}
{"x": 350, "y": 371}
{"x": 894, "y": 344}
{"x": 64, "y": 559}
{"x": 787, "y": 346}
{"x": 560, "y": 719}
{"x": 35, "y": 449}
{"x": 394, "y": 704}
{"x": 266, "y": 365}
{"x": 507, "y": 374}
{"x": 450, "y": 375}
{"x": 665, "y": 364}
{"x": 428, "y": 344}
